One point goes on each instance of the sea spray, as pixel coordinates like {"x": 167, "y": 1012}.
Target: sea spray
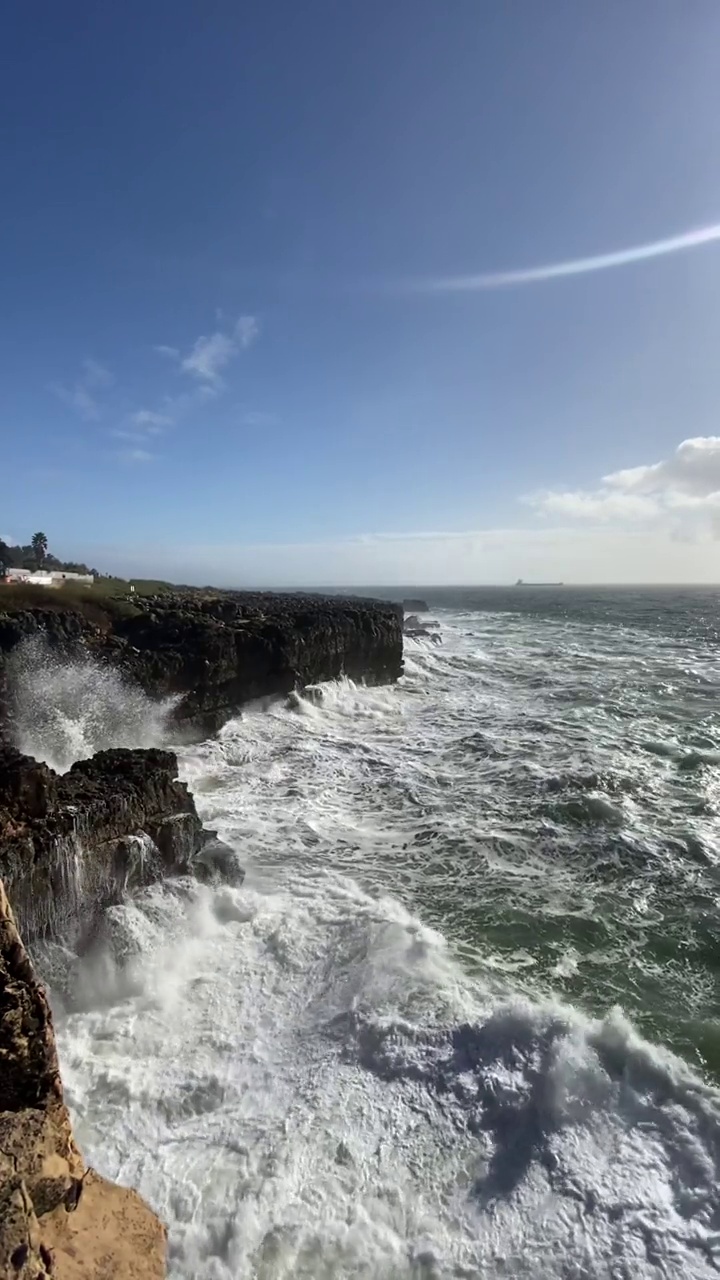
{"x": 65, "y": 708}
{"x": 394, "y": 1053}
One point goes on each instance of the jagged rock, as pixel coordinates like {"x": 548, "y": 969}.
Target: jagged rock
{"x": 422, "y": 630}
{"x": 57, "y": 1218}
{"x": 413, "y": 605}
{"x": 219, "y": 650}
{"x": 217, "y": 861}
{"x": 412, "y": 623}
{"x": 71, "y": 844}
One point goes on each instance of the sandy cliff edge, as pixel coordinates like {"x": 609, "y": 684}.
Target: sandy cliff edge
{"x": 57, "y": 1217}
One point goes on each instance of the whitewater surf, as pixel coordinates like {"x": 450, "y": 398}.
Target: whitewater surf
{"x": 460, "y": 1019}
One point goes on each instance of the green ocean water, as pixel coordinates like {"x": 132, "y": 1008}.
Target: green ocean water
{"x": 585, "y": 766}
{"x": 461, "y": 1018}
{"x": 546, "y": 787}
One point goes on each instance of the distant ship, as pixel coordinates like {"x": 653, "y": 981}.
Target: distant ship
{"x": 521, "y": 583}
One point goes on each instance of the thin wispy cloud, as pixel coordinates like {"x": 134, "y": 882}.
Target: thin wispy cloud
{"x": 209, "y": 357}
{"x": 151, "y": 420}
{"x": 96, "y": 374}
{"x": 686, "y": 240}
{"x": 246, "y": 331}
{"x": 211, "y": 353}
{"x": 82, "y": 395}
{"x": 142, "y": 426}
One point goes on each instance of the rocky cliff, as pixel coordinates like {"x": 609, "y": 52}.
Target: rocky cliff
{"x": 70, "y": 844}
{"x": 57, "y": 1218}
{"x": 216, "y": 651}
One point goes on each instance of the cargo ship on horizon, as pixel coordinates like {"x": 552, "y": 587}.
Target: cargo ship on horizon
{"x": 522, "y": 583}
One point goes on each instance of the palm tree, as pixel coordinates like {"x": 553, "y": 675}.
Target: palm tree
{"x": 39, "y": 544}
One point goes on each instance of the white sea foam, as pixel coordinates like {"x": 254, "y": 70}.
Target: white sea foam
{"x": 67, "y": 710}
{"x": 308, "y": 1085}
{"x": 345, "y": 1068}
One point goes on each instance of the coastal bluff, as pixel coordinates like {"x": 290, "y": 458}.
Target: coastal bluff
{"x": 57, "y": 1217}
{"x": 212, "y": 650}
{"x": 73, "y": 843}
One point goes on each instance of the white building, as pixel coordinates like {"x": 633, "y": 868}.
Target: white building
{"x": 48, "y": 577}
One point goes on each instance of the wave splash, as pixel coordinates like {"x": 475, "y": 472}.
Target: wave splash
{"x": 299, "y": 1074}
{"x": 305, "y": 1084}
{"x": 65, "y": 709}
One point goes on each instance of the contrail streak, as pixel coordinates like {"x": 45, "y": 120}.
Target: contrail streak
{"x": 576, "y": 267}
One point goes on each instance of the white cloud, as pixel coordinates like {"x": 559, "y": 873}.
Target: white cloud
{"x": 81, "y": 396}
{"x": 144, "y": 424}
{"x": 211, "y": 353}
{"x": 120, "y": 433}
{"x": 694, "y": 469}
{"x": 172, "y": 353}
{"x": 246, "y": 330}
{"x": 8, "y": 538}
{"x": 681, "y": 492}
{"x": 599, "y": 504}
{"x": 150, "y": 420}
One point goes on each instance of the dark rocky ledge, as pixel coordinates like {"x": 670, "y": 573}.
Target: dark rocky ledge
{"x": 72, "y": 844}
{"x": 218, "y": 650}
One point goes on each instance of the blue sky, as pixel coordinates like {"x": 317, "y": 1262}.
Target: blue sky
{"x": 242, "y": 341}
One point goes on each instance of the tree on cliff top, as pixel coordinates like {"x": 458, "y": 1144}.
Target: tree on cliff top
{"x": 39, "y": 544}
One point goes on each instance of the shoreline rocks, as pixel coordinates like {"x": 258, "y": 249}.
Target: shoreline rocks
{"x": 57, "y": 1217}
{"x": 217, "y": 651}
{"x": 419, "y": 630}
{"x": 73, "y": 843}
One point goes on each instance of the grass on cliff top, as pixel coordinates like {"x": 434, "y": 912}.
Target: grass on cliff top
{"x": 107, "y": 600}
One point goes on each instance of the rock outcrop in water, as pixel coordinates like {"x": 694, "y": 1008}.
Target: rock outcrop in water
{"x": 57, "y": 1217}
{"x": 71, "y": 844}
{"x": 216, "y": 651}
{"x": 422, "y": 630}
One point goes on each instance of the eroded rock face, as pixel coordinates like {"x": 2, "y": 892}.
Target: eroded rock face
{"x": 71, "y": 844}
{"x": 57, "y": 1218}
{"x": 217, "y": 651}
{"x": 223, "y": 651}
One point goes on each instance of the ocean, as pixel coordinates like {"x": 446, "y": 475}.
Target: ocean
{"x": 462, "y": 1018}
